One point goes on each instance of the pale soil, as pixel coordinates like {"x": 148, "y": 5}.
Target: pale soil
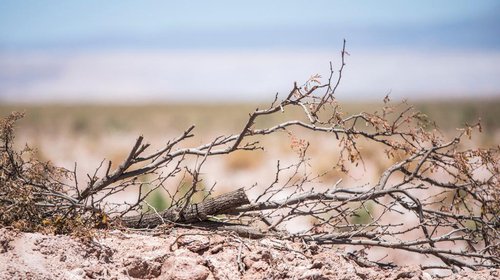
{"x": 186, "y": 254}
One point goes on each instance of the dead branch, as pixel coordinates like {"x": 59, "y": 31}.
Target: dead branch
{"x": 447, "y": 198}
{"x": 192, "y": 213}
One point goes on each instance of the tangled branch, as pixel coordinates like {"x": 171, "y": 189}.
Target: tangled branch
{"x": 435, "y": 199}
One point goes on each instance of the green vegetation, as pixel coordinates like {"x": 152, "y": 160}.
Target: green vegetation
{"x": 157, "y": 200}
{"x": 362, "y": 215}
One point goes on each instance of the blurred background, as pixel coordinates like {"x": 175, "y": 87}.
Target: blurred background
{"x": 93, "y": 75}
{"x": 176, "y": 51}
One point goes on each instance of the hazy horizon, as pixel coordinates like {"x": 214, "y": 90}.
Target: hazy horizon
{"x": 163, "y": 51}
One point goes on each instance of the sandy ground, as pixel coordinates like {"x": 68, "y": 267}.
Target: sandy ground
{"x": 187, "y": 254}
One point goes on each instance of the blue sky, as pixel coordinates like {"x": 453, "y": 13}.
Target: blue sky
{"x": 249, "y": 24}
{"x": 40, "y": 42}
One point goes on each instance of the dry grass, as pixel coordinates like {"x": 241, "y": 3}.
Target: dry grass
{"x": 96, "y": 119}
{"x": 244, "y": 160}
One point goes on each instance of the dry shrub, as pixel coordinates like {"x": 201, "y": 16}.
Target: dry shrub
{"x": 399, "y": 211}
{"x": 33, "y": 195}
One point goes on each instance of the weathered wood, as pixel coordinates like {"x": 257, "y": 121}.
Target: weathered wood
{"x": 191, "y": 213}
{"x": 241, "y": 230}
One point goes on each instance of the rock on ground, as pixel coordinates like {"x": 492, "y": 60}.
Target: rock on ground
{"x": 178, "y": 254}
